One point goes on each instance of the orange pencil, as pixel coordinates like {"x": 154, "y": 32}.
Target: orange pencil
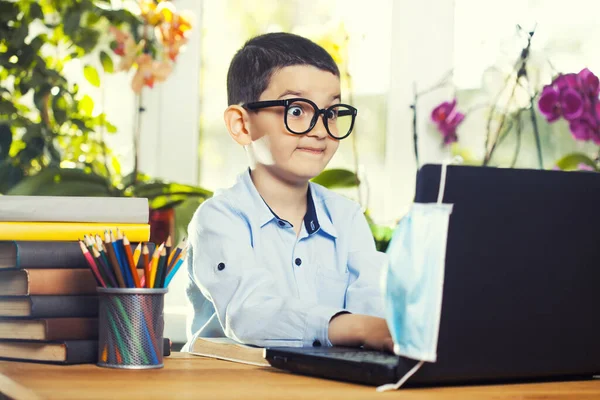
{"x": 175, "y": 254}
{"x": 132, "y": 265}
{"x": 168, "y": 247}
{"x": 146, "y": 260}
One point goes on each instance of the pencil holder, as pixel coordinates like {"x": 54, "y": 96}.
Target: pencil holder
{"x": 131, "y": 328}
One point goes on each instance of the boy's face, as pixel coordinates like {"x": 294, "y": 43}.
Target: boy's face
{"x": 294, "y": 158}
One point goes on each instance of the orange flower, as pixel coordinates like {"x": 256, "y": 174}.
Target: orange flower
{"x": 149, "y": 12}
{"x": 172, "y": 32}
{"x": 149, "y": 72}
{"x": 126, "y": 48}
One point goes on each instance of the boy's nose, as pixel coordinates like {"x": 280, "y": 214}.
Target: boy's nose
{"x": 319, "y": 130}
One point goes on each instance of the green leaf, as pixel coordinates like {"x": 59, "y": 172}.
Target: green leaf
{"x": 107, "y": 62}
{"x": 154, "y": 190}
{"x": 86, "y": 105}
{"x": 571, "y": 162}
{"x": 5, "y": 141}
{"x": 10, "y": 175}
{"x": 38, "y": 41}
{"x": 91, "y": 74}
{"x": 336, "y": 179}
{"x": 61, "y": 181}
{"x": 59, "y": 106}
{"x": 116, "y": 167}
{"x": 110, "y": 128}
{"x": 71, "y": 22}
{"x": 80, "y": 125}
{"x": 35, "y": 11}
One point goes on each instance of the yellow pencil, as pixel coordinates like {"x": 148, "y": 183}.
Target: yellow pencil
{"x": 137, "y": 253}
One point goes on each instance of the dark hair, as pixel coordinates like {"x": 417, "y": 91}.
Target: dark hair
{"x": 253, "y": 65}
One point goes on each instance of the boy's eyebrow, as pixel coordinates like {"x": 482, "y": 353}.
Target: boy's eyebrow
{"x": 299, "y": 94}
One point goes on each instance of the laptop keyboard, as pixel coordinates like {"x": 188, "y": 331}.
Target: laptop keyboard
{"x": 361, "y": 356}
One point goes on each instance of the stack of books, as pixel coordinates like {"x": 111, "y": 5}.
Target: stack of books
{"x": 48, "y": 300}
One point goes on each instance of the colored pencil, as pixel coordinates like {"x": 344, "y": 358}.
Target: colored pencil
{"x": 91, "y": 246}
{"x": 160, "y": 271}
{"x": 113, "y": 259}
{"x": 102, "y": 249}
{"x": 92, "y": 264}
{"x": 168, "y": 246}
{"x": 154, "y": 266}
{"x": 175, "y": 255}
{"x": 137, "y": 254}
{"x": 146, "y": 260}
{"x": 103, "y": 267}
{"x": 130, "y": 263}
{"x": 119, "y": 255}
{"x": 173, "y": 272}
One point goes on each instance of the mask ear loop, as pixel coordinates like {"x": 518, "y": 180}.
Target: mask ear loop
{"x": 442, "y": 189}
{"x": 455, "y": 160}
{"x": 396, "y": 386}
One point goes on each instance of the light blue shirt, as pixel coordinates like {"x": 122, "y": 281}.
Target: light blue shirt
{"x": 264, "y": 285}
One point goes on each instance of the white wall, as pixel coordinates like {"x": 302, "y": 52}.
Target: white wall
{"x": 422, "y": 53}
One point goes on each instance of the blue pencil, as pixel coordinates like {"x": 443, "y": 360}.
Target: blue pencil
{"x": 122, "y": 266}
{"x": 173, "y": 272}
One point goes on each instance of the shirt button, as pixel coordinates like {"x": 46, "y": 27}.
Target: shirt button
{"x": 317, "y": 343}
{"x": 281, "y": 223}
{"x": 221, "y": 266}
{"x": 298, "y": 261}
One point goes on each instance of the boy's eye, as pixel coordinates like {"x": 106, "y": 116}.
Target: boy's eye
{"x": 295, "y": 111}
{"x": 332, "y": 114}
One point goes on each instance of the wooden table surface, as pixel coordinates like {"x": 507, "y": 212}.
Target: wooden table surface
{"x": 189, "y": 377}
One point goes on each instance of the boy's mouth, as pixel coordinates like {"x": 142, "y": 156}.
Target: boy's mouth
{"x": 311, "y": 150}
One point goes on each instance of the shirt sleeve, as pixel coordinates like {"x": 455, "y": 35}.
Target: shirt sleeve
{"x": 242, "y": 291}
{"x": 366, "y": 265}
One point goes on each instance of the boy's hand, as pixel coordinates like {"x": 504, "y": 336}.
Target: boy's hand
{"x": 357, "y": 330}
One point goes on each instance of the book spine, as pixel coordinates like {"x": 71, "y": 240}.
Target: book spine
{"x": 63, "y": 306}
{"x": 59, "y": 231}
{"x": 74, "y": 209}
{"x": 45, "y": 254}
{"x": 77, "y": 351}
{"x": 81, "y": 352}
{"x": 71, "y": 328}
{"x": 57, "y": 281}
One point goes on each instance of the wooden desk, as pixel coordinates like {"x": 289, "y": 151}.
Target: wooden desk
{"x": 189, "y": 377}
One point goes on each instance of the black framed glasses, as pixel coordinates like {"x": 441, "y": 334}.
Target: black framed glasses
{"x": 301, "y": 116}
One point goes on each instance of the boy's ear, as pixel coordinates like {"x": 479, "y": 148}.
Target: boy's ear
{"x": 237, "y": 123}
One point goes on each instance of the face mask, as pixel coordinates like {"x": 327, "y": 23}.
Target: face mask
{"x": 413, "y": 285}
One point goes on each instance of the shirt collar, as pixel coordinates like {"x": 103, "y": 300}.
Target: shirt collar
{"x": 263, "y": 212}
{"x": 316, "y": 216}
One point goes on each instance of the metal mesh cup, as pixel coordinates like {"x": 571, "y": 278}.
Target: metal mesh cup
{"x": 131, "y": 328}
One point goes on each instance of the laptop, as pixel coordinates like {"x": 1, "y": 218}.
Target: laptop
{"x": 521, "y": 298}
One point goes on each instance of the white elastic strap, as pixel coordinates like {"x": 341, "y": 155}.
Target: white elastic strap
{"x": 442, "y": 183}
{"x": 455, "y": 160}
{"x": 396, "y": 386}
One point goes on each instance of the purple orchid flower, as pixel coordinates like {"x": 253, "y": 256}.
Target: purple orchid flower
{"x": 574, "y": 97}
{"x": 571, "y": 104}
{"x": 548, "y": 103}
{"x": 589, "y": 82}
{"x": 447, "y": 118}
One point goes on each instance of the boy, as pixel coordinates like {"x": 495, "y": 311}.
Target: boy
{"x": 285, "y": 262}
